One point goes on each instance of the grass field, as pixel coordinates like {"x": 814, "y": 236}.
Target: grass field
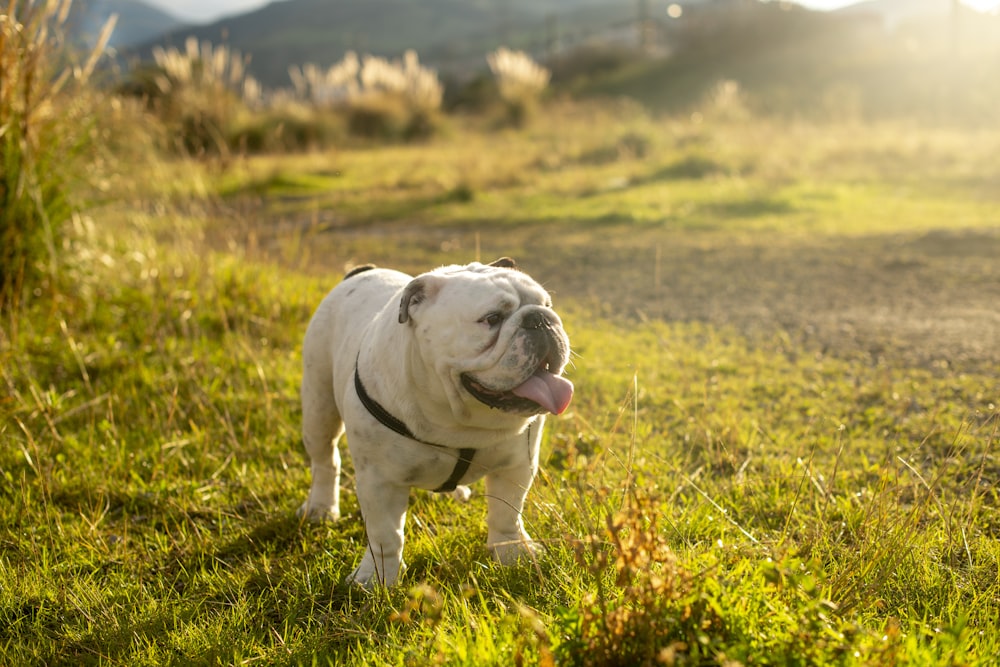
{"x": 782, "y": 450}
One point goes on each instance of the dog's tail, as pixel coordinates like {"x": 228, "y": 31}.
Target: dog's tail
{"x": 359, "y": 269}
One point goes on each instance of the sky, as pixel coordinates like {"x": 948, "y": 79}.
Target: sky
{"x": 202, "y": 11}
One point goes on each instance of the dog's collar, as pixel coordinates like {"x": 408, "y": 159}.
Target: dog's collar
{"x": 396, "y": 425}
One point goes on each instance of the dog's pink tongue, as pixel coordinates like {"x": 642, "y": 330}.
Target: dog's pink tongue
{"x": 552, "y": 392}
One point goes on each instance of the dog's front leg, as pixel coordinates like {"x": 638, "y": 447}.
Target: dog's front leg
{"x": 506, "y": 491}
{"x": 383, "y": 507}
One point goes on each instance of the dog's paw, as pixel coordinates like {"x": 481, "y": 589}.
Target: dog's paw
{"x": 368, "y": 578}
{"x": 508, "y": 552}
{"x": 462, "y": 494}
{"x": 318, "y": 513}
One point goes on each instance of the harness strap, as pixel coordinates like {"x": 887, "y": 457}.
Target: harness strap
{"x": 392, "y": 423}
{"x": 461, "y": 467}
{"x": 383, "y": 416}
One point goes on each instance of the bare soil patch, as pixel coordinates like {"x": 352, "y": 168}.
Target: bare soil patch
{"x": 928, "y": 299}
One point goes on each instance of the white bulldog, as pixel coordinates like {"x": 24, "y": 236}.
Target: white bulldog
{"x": 437, "y": 380}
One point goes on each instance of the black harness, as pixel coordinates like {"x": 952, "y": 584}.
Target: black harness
{"x": 386, "y": 418}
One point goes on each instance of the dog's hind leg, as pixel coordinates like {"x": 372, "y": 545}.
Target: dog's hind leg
{"x": 322, "y": 427}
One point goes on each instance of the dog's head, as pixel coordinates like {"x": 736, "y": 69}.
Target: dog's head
{"x": 490, "y": 334}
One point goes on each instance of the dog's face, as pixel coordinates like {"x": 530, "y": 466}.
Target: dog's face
{"x": 490, "y": 335}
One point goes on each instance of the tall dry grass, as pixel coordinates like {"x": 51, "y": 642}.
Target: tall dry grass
{"x": 380, "y": 97}
{"x": 47, "y": 115}
{"x": 520, "y": 82}
{"x": 199, "y": 92}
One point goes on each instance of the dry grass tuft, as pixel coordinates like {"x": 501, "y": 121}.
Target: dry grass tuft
{"x": 520, "y": 81}
{"x": 46, "y": 118}
{"x": 380, "y": 97}
{"x": 648, "y": 607}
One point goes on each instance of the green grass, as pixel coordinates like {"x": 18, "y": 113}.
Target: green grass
{"x": 666, "y": 173}
{"x": 717, "y": 491}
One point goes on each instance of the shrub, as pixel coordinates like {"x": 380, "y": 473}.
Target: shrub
{"x": 726, "y": 101}
{"x": 376, "y": 118}
{"x": 475, "y": 95}
{"x": 199, "y": 93}
{"x": 286, "y": 126}
{"x": 520, "y": 81}
{"x": 380, "y": 98}
{"x": 46, "y": 118}
{"x": 591, "y": 62}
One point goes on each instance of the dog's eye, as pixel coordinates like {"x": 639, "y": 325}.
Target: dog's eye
{"x": 492, "y": 319}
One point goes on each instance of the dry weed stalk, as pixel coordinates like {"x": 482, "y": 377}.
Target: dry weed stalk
{"x": 653, "y": 612}
{"x": 519, "y": 78}
{"x": 207, "y": 67}
{"x": 352, "y": 81}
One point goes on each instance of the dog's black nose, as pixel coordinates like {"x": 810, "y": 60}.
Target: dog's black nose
{"x": 534, "y": 320}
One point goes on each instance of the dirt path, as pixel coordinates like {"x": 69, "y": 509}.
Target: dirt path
{"x": 929, "y": 299}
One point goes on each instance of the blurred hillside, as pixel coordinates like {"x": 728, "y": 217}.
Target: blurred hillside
{"x": 137, "y": 23}
{"x": 452, "y": 35}
{"x": 932, "y": 59}
{"x": 862, "y": 62}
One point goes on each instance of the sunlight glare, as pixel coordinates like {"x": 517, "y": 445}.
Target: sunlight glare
{"x": 988, "y": 6}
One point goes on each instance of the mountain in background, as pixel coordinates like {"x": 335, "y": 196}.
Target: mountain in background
{"x": 451, "y": 35}
{"x": 875, "y": 55}
{"x": 138, "y": 22}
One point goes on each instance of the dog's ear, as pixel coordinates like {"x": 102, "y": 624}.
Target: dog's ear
{"x": 420, "y": 289}
{"x": 505, "y": 263}
{"x": 413, "y": 294}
